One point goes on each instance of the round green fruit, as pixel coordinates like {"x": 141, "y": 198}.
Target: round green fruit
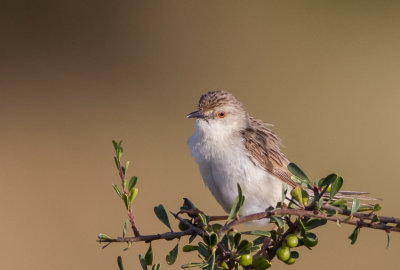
{"x": 290, "y": 261}
{"x": 292, "y": 241}
{"x": 246, "y": 260}
{"x": 283, "y": 253}
{"x": 310, "y": 239}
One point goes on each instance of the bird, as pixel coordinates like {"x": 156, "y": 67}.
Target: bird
{"x": 231, "y": 147}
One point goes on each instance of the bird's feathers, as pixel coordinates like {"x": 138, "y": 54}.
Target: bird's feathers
{"x": 262, "y": 147}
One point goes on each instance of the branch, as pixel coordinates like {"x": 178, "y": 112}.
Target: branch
{"x": 342, "y": 217}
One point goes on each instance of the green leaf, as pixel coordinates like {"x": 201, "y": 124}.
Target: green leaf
{"x": 375, "y": 218}
{"x": 126, "y": 201}
{"x": 297, "y": 180}
{"x": 213, "y": 239}
{"x": 187, "y": 204}
{"x": 162, "y": 215}
{"x": 328, "y": 180}
{"x": 296, "y": 171}
{"x": 388, "y": 241}
{"x": 128, "y": 247}
{"x": 142, "y": 262}
{"x": 301, "y": 226}
{"x": 126, "y": 166}
{"x": 314, "y": 223}
{"x": 207, "y": 240}
{"x": 237, "y": 204}
{"x": 203, "y": 250}
{"x": 364, "y": 208}
{"x": 125, "y": 228}
{"x": 132, "y": 183}
{"x": 284, "y": 190}
{"x": 149, "y": 256}
{"x": 260, "y": 263}
{"x": 236, "y": 239}
{"x": 132, "y": 196}
{"x": 353, "y": 236}
{"x": 336, "y": 186}
{"x": 339, "y": 202}
{"x": 216, "y": 227}
{"x": 320, "y": 202}
{"x": 244, "y": 247}
{"x": 376, "y": 208}
{"x": 211, "y": 262}
{"x": 189, "y": 248}
{"x": 192, "y": 237}
{"x": 103, "y": 236}
{"x": 156, "y": 267}
{"x": 119, "y": 261}
{"x": 259, "y": 240}
{"x": 257, "y": 232}
{"x": 355, "y": 206}
{"x": 278, "y": 221}
{"x": 116, "y": 162}
{"x": 115, "y": 144}
{"x": 171, "y": 256}
{"x": 204, "y": 219}
{"x": 117, "y": 190}
{"x": 191, "y": 265}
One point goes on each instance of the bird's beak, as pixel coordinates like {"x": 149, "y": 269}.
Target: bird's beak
{"x": 195, "y": 114}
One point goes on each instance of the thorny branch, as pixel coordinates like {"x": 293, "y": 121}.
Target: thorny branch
{"x": 345, "y": 217}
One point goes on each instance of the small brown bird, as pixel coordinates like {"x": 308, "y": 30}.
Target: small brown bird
{"x": 231, "y": 148}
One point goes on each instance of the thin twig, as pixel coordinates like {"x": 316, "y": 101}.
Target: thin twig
{"x": 130, "y": 214}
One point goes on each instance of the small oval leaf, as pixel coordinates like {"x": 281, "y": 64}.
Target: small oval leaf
{"x": 171, "y": 256}
{"x": 132, "y": 182}
{"x": 162, "y": 215}
{"x": 336, "y": 186}
{"x": 296, "y": 171}
{"x": 149, "y": 256}
{"x": 142, "y": 262}
{"x": 355, "y": 206}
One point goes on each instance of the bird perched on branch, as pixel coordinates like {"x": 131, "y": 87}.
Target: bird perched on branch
{"x": 231, "y": 148}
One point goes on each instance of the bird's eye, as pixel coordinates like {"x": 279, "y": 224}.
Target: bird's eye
{"x": 221, "y": 114}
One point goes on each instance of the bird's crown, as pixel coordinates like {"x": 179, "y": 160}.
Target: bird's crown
{"x": 217, "y": 99}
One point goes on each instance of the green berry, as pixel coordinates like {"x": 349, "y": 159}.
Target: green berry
{"x": 292, "y": 241}
{"x": 283, "y": 253}
{"x": 246, "y": 260}
{"x": 290, "y": 261}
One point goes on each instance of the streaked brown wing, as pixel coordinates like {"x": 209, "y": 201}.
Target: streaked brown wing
{"x": 263, "y": 149}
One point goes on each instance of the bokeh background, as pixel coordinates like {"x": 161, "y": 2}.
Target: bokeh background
{"x": 76, "y": 74}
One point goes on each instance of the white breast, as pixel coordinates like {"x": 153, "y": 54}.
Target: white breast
{"x": 224, "y": 163}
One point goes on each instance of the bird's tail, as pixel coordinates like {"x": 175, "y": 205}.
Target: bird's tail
{"x": 349, "y": 196}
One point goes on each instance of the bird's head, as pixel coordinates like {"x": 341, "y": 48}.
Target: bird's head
{"x": 219, "y": 114}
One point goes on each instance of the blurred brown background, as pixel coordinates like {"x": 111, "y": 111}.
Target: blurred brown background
{"x": 76, "y": 74}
